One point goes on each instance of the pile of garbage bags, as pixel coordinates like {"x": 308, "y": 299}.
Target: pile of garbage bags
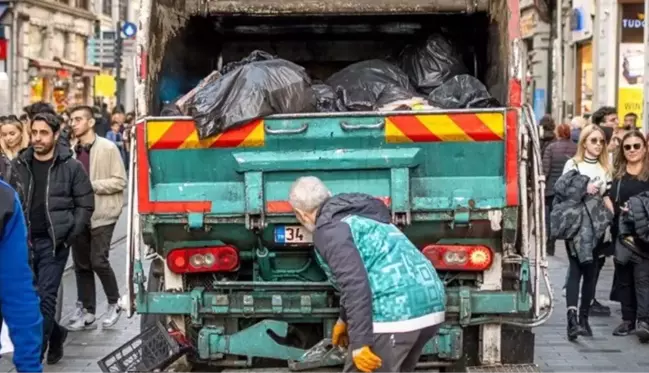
{"x": 426, "y": 76}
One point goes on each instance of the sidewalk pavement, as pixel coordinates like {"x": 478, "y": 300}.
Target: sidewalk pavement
{"x": 603, "y": 351}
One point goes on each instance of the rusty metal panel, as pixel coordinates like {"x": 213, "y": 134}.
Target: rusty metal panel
{"x": 273, "y": 7}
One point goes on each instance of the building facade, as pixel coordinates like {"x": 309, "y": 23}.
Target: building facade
{"x": 603, "y": 56}
{"x": 46, "y": 60}
{"x": 110, "y": 13}
{"x": 536, "y": 36}
{"x": 44, "y": 51}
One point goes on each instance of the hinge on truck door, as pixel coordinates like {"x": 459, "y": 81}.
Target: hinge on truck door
{"x": 462, "y": 204}
{"x": 254, "y": 195}
{"x": 400, "y": 196}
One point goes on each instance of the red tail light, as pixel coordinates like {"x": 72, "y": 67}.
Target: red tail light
{"x": 459, "y": 257}
{"x": 204, "y": 259}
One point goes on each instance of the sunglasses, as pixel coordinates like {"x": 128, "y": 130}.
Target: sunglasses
{"x": 597, "y": 141}
{"x": 635, "y": 146}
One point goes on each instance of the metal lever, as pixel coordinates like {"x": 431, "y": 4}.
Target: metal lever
{"x": 300, "y": 129}
{"x": 373, "y": 126}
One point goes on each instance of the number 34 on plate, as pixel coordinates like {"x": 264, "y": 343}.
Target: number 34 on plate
{"x": 291, "y": 234}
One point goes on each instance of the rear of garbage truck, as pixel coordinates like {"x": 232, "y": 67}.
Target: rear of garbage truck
{"x": 233, "y": 274}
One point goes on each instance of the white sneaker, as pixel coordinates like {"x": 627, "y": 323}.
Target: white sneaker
{"x": 86, "y": 322}
{"x": 111, "y": 316}
{"x": 77, "y": 314}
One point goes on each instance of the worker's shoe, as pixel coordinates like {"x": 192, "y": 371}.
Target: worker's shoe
{"x": 624, "y": 329}
{"x": 586, "y": 331}
{"x": 55, "y": 351}
{"x": 574, "y": 330}
{"x": 112, "y": 315}
{"x": 642, "y": 331}
{"x": 85, "y": 322}
{"x": 598, "y": 309}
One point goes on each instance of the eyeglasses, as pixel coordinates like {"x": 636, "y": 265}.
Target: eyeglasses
{"x": 597, "y": 141}
{"x": 636, "y": 146}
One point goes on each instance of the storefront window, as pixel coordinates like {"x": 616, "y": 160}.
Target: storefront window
{"x": 36, "y": 92}
{"x": 631, "y": 61}
{"x": 585, "y": 78}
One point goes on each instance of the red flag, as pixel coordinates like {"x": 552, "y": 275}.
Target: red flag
{"x": 3, "y": 49}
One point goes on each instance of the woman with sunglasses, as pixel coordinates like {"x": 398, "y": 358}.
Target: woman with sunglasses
{"x": 591, "y": 160}
{"x": 631, "y": 279}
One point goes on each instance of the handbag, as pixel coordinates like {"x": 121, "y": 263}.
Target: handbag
{"x": 625, "y": 248}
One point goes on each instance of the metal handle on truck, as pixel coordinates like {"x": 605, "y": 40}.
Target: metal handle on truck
{"x": 370, "y": 126}
{"x": 287, "y": 131}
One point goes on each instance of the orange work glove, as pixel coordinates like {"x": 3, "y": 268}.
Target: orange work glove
{"x": 365, "y": 360}
{"x": 339, "y": 335}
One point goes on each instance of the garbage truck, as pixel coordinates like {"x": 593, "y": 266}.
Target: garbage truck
{"x": 219, "y": 269}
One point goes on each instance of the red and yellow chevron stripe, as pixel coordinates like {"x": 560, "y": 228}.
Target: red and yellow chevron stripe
{"x": 181, "y": 134}
{"x": 479, "y": 127}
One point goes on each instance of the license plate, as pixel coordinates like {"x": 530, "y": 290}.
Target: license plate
{"x": 288, "y": 234}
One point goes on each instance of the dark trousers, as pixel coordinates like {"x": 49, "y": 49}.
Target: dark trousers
{"x": 90, "y": 255}
{"x": 399, "y": 352}
{"x": 584, "y": 272}
{"x": 599, "y": 265}
{"x": 549, "y": 244}
{"x": 632, "y": 290}
{"x": 48, "y": 272}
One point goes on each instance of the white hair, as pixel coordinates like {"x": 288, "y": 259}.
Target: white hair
{"x": 308, "y": 193}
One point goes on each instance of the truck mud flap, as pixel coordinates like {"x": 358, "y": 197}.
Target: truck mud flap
{"x": 508, "y": 368}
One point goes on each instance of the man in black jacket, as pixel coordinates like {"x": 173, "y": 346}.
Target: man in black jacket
{"x": 58, "y": 204}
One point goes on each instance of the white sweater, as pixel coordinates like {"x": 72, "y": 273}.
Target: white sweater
{"x": 591, "y": 168}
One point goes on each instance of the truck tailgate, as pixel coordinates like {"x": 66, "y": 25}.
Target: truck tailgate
{"x": 414, "y": 161}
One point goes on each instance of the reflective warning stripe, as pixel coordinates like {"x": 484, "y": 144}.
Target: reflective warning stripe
{"x": 462, "y": 127}
{"x": 181, "y": 134}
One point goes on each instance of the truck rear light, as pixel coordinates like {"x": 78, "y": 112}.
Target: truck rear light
{"x": 459, "y": 257}
{"x": 204, "y": 259}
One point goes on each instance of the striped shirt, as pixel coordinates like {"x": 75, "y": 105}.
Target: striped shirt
{"x": 591, "y": 168}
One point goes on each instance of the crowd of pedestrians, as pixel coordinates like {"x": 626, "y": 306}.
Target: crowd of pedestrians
{"x": 597, "y": 200}
{"x": 62, "y": 182}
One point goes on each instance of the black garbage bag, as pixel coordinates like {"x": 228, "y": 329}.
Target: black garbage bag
{"x": 325, "y": 98}
{"x": 255, "y": 56}
{"x": 170, "y": 110}
{"x": 432, "y": 63}
{"x": 369, "y": 85}
{"x": 249, "y": 92}
{"x": 461, "y": 92}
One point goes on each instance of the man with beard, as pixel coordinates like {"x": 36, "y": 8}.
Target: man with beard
{"x": 102, "y": 161}
{"x": 58, "y": 205}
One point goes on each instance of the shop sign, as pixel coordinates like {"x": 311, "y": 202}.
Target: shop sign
{"x": 529, "y": 19}
{"x": 632, "y": 23}
{"x": 630, "y": 79}
{"x": 634, "y": 20}
{"x": 581, "y": 20}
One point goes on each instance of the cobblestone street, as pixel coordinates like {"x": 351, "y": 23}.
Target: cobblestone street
{"x": 602, "y": 352}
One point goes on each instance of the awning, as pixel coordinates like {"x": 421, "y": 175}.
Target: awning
{"x": 78, "y": 69}
{"x": 45, "y": 67}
